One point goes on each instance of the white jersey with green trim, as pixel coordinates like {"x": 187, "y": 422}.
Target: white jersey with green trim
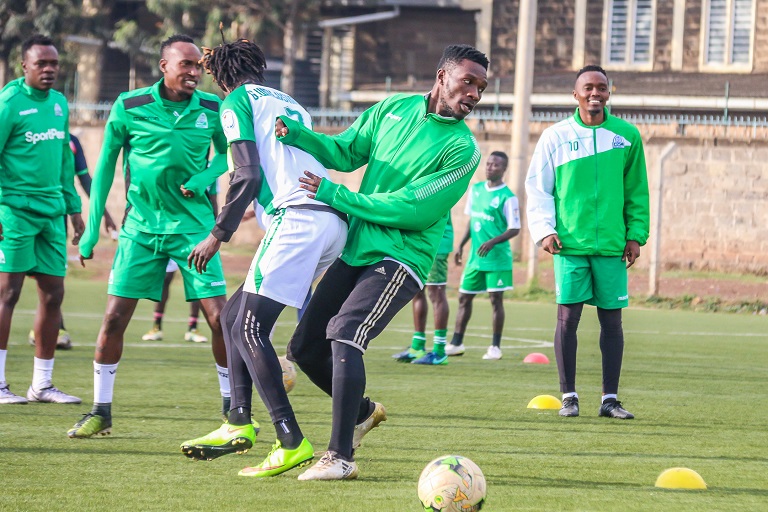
{"x": 249, "y": 113}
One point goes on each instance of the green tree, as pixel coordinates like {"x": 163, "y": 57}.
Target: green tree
{"x": 135, "y": 42}
{"x": 266, "y": 20}
{"x": 21, "y": 18}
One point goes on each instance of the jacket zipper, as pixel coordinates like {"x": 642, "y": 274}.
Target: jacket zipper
{"x": 597, "y": 170}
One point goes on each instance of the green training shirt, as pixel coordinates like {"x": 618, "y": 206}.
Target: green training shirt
{"x": 163, "y": 147}
{"x": 588, "y": 184}
{"x": 419, "y": 166}
{"x": 491, "y": 211}
{"x": 36, "y": 164}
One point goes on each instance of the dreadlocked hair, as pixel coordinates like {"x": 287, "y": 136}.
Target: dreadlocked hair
{"x": 232, "y": 64}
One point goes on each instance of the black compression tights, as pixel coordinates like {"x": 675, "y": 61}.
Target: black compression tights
{"x": 611, "y": 346}
{"x": 348, "y": 389}
{"x": 252, "y": 360}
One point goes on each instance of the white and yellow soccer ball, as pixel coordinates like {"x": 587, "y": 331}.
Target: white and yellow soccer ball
{"x": 452, "y": 483}
{"x": 289, "y": 374}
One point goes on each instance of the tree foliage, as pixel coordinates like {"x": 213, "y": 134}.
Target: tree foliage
{"x": 21, "y": 18}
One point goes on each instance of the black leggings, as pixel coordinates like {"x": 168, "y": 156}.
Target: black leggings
{"x": 248, "y": 320}
{"x": 611, "y": 346}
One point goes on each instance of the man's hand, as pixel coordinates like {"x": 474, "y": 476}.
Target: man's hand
{"x": 83, "y": 258}
{"x": 280, "y": 129}
{"x": 202, "y": 254}
{"x": 631, "y": 252}
{"x": 109, "y": 225}
{"x": 311, "y": 183}
{"x": 551, "y": 244}
{"x": 185, "y": 192}
{"x": 78, "y": 226}
{"x": 485, "y": 249}
{"x": 457, "y": 256}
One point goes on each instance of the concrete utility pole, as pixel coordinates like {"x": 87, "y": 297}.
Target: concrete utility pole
{"x": 526, "y": 35}
{"x": 658, "y": 192}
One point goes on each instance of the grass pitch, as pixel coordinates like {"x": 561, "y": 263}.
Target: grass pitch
{"x": 695, "y": 381}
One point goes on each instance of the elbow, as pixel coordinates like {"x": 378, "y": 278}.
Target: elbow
{"x": 248, "y": 178}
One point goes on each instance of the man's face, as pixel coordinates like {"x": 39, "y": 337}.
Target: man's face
{"x": 181, "y": 68}
{"x": 592, "y": 92}
{"x": 460, "y": 87}
{"x": 495, "y": 168}
{"x": 41, "y": 67}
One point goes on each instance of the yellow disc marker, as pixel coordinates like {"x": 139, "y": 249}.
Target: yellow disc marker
{"x": 544, "y": 402}
{"x": 680, "y": 478}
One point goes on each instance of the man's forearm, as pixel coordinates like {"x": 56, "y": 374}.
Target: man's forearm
{"x": 244, "y": 186}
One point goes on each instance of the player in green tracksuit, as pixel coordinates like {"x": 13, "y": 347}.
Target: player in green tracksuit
{"x": 36, "y": 193}
{"x": 494, "y": 219}
{"x": 165, "y": 133}
{"x": 64, "y": 340}
{"x": 588, "y": 206}
{"x": 420, "y": 157}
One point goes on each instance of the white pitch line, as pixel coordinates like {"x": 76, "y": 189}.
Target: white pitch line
{"x": 408, "y": 330}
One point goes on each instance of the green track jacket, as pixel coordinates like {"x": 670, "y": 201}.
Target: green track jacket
{"x": 36, "y": 164}
{"x": 161, "y": 152}
{"x": 589, "y": 185}
{"x": 419, "y": 166}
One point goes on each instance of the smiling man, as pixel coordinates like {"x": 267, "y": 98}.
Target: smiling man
{"x": 588, "y": 207}
{"x": 165, "y": 132}
{"x": 420, "y": 157}
{"x": 36, "y": 191}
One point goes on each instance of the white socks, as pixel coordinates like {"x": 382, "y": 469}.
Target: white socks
{"x": 223, "y": 373}
{"x": 42, "y": 374}
{"x": 606, "y": 397}
{"x": 569, "y": 395}
{"x": 3, "y": 355}
{"x": 103, "y": 382}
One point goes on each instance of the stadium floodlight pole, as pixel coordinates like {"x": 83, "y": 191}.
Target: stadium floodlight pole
{"x": 655, "y": 238}
{"x": 526, "y": 34}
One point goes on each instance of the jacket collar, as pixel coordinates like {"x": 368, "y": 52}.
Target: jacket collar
{"x": 33, "y": 93}
{"x": 577, "y": 117}
{"x": 436, "y": 117}
{"x": 194, "y": 100}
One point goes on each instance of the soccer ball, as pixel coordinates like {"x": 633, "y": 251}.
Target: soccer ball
{"x": 289, "y": 374}
{"x": 452, "y": 483}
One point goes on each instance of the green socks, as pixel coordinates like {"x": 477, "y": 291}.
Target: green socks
{"x": 418, "y": 341}
{"x": 439, "y": 347}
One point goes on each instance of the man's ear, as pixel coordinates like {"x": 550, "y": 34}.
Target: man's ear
{"x": 162, "y": 65}
{"x": 440, "y": 75}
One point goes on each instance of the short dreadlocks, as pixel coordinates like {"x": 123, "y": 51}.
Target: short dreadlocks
{"x": 455, "y": 53}
{"x": 236, "y": 63}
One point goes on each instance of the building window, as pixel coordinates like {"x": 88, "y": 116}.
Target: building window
{"x": 629, "y": 32}
{"x": 728, "y": 26}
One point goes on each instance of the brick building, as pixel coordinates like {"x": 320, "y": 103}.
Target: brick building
{"x": 699, "y": 48}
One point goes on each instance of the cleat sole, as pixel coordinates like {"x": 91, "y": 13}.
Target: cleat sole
{"x": 206, "y": 452}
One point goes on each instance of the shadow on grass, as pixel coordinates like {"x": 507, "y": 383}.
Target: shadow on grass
{"x": 106, "y": 449}
{"x": 547, "y": 483}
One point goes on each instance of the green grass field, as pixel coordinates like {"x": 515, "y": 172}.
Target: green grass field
{"x": 695, "y": 381}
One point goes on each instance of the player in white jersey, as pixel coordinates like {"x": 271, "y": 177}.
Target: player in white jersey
{"x": 303, "y": 238}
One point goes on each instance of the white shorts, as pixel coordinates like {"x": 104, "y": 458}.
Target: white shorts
{"x": 298, "y": 246}
{"x": 172, "y": 266}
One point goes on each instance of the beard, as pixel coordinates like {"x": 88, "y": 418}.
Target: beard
{"x": 445, "y": 110}
{"x": 595, "y": 111}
